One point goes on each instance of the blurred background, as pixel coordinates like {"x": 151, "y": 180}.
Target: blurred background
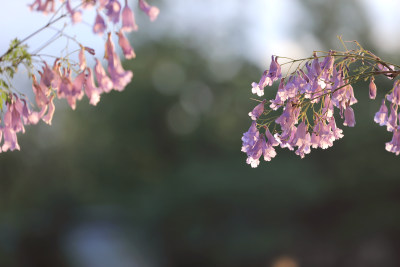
{"x": 154, "y": 176}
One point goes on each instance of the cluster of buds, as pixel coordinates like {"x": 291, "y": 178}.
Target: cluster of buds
{"x": 302, "y": 115}
{"x": 65, "y": 79}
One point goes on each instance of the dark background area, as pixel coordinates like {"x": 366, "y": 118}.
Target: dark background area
{"x": 156, "y": 178}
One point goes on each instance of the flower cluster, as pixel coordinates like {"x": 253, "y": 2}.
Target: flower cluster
{"x": 308, "y": 98}
{"x": 65, "y": 78}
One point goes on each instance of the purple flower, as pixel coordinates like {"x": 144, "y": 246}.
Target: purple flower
{"x": 349, "y": 119}
{"x": 253, "y": 155}
{"x": 72, "y": 91}
{"x": 394, "y": 145}
{"x": 128, "y": 19}
{"x": 381, "y": 116}
{"x": 267, "y": 150}
{"x": 119, "y": 76}
{"x": 103, "y": 80}
{"x": 250, "y": 137}
{"x": 274, "y": 70}
{"x": 40, "y": 91}
{"x": 99, "y": 25}
{"x": 302, "y": 140}
{"x": 372, "y": 88}
{"x": 51, "y": 108}
{"x": 384, "y": 68}
{"x": 271, "y": 139}
{"x": 150, "y": 11}
{"x": 392, "y": 120}
{"x": 257, "y": 111}
{"x": 394, "y": 97}
{"x": 337, "y": 133}
{"x": 258, "y": 88}
{"x": 125, "y": 45}
{"x": 10, "y": 139}
{"x": 92, "y": 92}
{"x": 113, "y": 9}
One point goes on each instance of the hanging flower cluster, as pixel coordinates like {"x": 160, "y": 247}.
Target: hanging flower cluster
{"x": 301, "y": 116}
{"x": 65, "y": 78}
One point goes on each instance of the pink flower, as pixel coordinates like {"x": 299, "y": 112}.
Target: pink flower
{"x": 92, "y": 92}
{"x": 126, "y": 47}
{"x": 392, "y": 120}
{"x": 349, "y": 119}
{"x": 257, "y": 111}
{"x": 113, "y": 10}
{"x": 394, "y": 97}
{"x": 105, "y": 83}
{"x": 10, "y": 139}
{"x": 41, "y": 92}
{"x": 381, "y": 116}
{"x": 119, "y": 76}
{"x": 394, "y": 145}
{"x": 72, "y": 91}
{"x": 372, "y": 88}
{"x": 267, "y": 150}
{"x": 128, "y": 19}
{"x": 49, "y": 116}
{"x": 99, "y": 25}
{"x": 274, "y": 72}
{"x": 150, "y": 11}
{"x": 250, "y": 137}
{"x": 46, "y": 7}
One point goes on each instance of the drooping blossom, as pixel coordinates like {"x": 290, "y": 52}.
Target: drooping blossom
{"x": 71, "y": 91}
{"x": 99, "y": 25}
{"x": 257, "y": 111}
{"x": 394, "y": 145}
{"x": 92, "y": 92}
{"x": 391, "y": 123}
{"x": 105, "y": 83}
{"x": 372, "y": 88}
{"x": 113, "y": 9}
{"x": 274, "y": 72}
{"x": 394, "y": 97}
{"x": 381, "y": 116}
{"x": 349, "y": 119}
{"x": 119, "y": 77}
{"x": 150, "y": 11}
{"x": 128, "y": 19}
{"x": 125, "y": 46}
{"x": 250, "y": 137}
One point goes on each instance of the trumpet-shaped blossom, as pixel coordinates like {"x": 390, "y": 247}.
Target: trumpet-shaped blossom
{"x": 257, "y": 111}
{"x": 92, "y": 92}
{"x": 119, "y": 76}
{"x": 394, "y": 97}
{"x": 394, "y": 145}
{"x": 391, "y": 123}
{"x": 372, "y": 88}
{"x": 105, "y": 83}
{"x": 128, "y": 19}
{"x": 349, "y": 119}
{"x": 113, "y": 9}
{"x": 125, "y": 46}
{"x": 381, "y": 116}
{"x": 99, "y": 25}
{"x": 150, "y": 11}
